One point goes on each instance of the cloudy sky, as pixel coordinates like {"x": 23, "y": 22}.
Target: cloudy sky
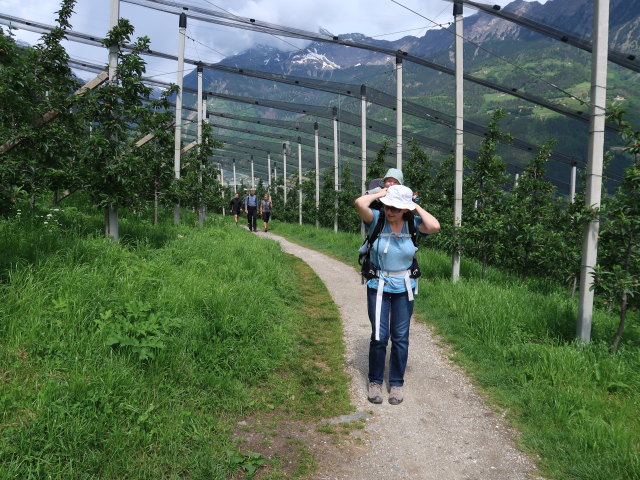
{"x": 383, "y": 19}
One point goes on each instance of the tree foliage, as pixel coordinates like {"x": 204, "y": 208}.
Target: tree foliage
{"x": 617, "y": 275}
{"x": 112, "y": 169}
{"x": 376, "y": 168}
{"x": 35, "y": 87}
{"x": 485, "y": 190}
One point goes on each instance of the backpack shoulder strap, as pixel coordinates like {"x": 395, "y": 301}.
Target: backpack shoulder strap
{"x": 377, "y": 229}
{"x": 411, "y": 226}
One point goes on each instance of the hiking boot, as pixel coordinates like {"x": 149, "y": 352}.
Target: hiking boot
{"x": 396, "y": 396}
{"x": 375, "y": 393}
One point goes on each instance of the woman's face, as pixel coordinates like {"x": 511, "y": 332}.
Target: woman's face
{"x": 393, "y": 212}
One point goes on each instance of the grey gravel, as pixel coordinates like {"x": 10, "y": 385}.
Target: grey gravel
{"x": 442, "y": 430}
{"x": 352, "y": 417}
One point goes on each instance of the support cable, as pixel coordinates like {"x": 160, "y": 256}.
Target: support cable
{"x": 625, "y": 60}
{"x": 265, "y": 27}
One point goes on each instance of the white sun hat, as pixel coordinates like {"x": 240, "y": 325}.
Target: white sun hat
{"x": 400, "y": 197}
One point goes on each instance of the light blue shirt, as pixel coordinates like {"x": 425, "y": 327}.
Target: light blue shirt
{"x": 399, "y": 254}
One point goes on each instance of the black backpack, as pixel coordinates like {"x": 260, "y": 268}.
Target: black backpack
{"x": 367, "y": 268}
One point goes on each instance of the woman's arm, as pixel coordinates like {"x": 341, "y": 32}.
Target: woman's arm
{"x": 429, "y": 223}
{"x": 362, "y": 204}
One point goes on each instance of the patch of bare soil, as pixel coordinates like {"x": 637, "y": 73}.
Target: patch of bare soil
{"x": 296, "y": 449}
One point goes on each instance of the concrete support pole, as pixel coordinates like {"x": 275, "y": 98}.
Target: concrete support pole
{"x": 182, "y": 26}
{"x": 363, "y": 144}
{"x": 363, "y": 138}
{"x": 111, "y": 225}
{"x": 335, "y": 168}
{"x": 202, "y": 165}
{"x": 315, "y": 134}
{"x": 201, "y": 212}
{"x": 269, "y": 170}
{"x": 113, "y": 50}
{"x": 284, "y": 170}
{"x": 300, "y": 180}
{"x": 253, "y": 178}
{"x": 459, "y": 150}
{"x": 516, "y": 179}
{"x": 572, "y": 187}
{"x": 399, "y": 111}
{"x": 221, "y": 187}
{"x": 599, "y": 55}
{"x": 200, "y": 111}
{"x": 235, "y": 180}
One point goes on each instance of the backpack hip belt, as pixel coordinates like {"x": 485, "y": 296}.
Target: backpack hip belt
{"x": 388, "y": 273}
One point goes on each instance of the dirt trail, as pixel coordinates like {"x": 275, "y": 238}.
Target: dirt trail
{"x": 442, "y": 431}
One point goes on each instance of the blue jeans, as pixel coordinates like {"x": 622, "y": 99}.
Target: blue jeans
{"x": 395, "y": 315}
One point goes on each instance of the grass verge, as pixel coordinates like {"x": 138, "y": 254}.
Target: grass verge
{"x": 138, "y": 360}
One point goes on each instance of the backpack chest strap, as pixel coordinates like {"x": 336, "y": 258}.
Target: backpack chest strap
{"x": 396, "y": 235}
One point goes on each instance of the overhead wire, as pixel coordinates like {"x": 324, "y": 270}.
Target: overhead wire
{"x": 252, "y": 24}
{"x": 623, "y": 59}
{"x": 505, "y": 60}
{"x": 431, "y": 116}
{"x": 340, "y": 99}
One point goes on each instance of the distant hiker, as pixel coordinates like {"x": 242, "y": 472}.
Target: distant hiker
{"x": 251, "y": 208}
{"x": 265, "y": 211}
{"x": 390, "y": 291}
{"x": 236, "y": 207}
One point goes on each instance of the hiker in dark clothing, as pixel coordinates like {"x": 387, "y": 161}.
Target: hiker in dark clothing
{"x": 236, "y": 207}
{"x": 251, "y": 208}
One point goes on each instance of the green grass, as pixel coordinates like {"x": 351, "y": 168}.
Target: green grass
{"x": 136, "y": 360}
{"x": 575, "y": 405}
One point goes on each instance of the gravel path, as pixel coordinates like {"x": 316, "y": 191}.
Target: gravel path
{"x": 443, "y": 430}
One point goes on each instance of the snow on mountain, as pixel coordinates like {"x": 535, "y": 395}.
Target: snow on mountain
{"x": 314, "y": 58}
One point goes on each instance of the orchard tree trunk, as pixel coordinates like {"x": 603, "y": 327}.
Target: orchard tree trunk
{"x": 155, "y": 203}
{"x": 111, "y": 227}
{"x": 484, "y": 260}
{"x": 623, "y": 315}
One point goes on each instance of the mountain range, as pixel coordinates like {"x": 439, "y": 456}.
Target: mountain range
{"x": 495, "y": 49}
{"x": 572, "y": 16}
